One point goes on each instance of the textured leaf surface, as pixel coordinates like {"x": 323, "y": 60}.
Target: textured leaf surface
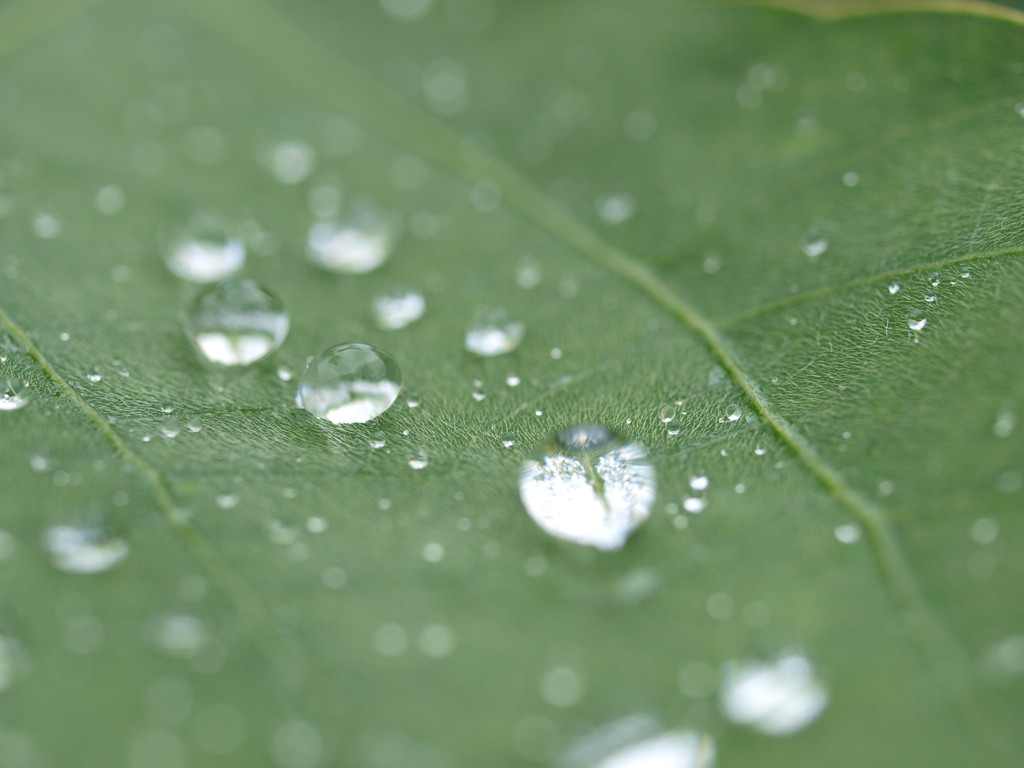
{"x": 499, "y": 130}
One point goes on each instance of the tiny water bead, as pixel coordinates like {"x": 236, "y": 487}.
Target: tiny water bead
{"x": 13, "y": 394}
{"x": 357, "y": 241}
{"x": 398, "y": 308}
{"x": 589, "y": 486}
{"x": 493, "y": 332}
{"x": 350, "y": 384}
{"x": 204, "y": 250}
{"x": 814, "y": 243}
{"x": 75, "y": 549}
{"x": 236, "y": 322}
{"x": 776, "y": 698}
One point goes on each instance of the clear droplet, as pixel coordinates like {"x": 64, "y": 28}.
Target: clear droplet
{"x": 733, "y": 413}
{"x": 412, "y": 400}
{"x": 378, "y": 440}
{"x": 493, "y": 332}
{"x": 350, "y": 383}
{"x": 589, "y": 486}
{"x": 420, "y": 460}
{"x": 75, "y": 549}
{"x": 508, "y": 439}
{"x": 776, "y": 698}
{"x": 14, "y": 394}
{"x": 814, "y": 243}
{"x": 357, "y": 241}
{"x": 915, "y": 321}
{"x": 171, "y": 427}
{"x": 667, "y": 413}
{"x": 894, "y": 288}
{"x": 636, "y": 742}
{"x": 398, "y": 308}
{"x": 205, "y": 250}
{"x": 847, "y": 533}
{"x": 236, "y": 322}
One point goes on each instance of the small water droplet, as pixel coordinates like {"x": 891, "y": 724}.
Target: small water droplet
{"x": 508, "y": 439}
{"x": 95, "y": 375}
{"x": 109, "y": 200}
{"x": 814, "y": 243}
{"x": 171, "y": 427}
{"x": 667, "y": 413}
{"x": 694, "y": 505}
{"x": 378, "y": 440}
{"x": 931, "y": 299}
{"x": 760, "y": 451}
{"x": 700, "y": 483}
{"x": 350, "y": 383}
{"x": 290, "y": 161}
{"x": 733, "y": 413}
{"x": 616, "y": 209}
{"x": 14, "y": 394}
{"x": 75, "y": 549}
{"x": 776, "y": 698}
{"x": 181, "y": 636}
{"x": 433, "y": 552}
{"x": 589, "y": 486}
{"x": 46, "y": 225}
{"x": 359, "y": 240}
{"x": 916, "y": 322}
{"x": 236, "y": 322}
{"x": 284, "y": 373}
{"x": 851, "y": 179}
{"x": 398, "y": 308}
{"x": 512, "y": 381}
{"x": 205, "y": 249}
{"x": 894, "y": 288}
{"x": 528, "y": 274}
{"x": 227, "y": 500}
{"x": 847, "y": 533}
{"x": 413, "y": 400}
{"x": 1006, "y": 423}
{"x": 493, "y": 332}
{"x": 420, "y": 460}
{"x": 984, "y": 531}
{"x": 194, "y": 423}
{"x": 556, "y": 353}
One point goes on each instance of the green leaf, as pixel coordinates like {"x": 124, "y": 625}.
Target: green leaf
{"x": 432, "y": 623}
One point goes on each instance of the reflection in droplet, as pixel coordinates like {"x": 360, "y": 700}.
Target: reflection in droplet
{"x": 236, "y": 323}
{"x": 589, "y": 486}
{"x": 493, "y": 332}
{"x": 776, "y": 698}
{"x": 75, "y": 549}
{"x": 13, "y": 394}
{"x": 350, "y": 383}
{"x": 205, "y": 250}
{"x": 359, "y": 240}
{"x": 398, "y": 308}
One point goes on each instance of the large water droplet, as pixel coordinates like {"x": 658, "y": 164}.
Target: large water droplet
{"x": 776, "y": 698}
{"x": 236, "y": 323}
{"x": 589, "y": 486}
{"x": 350, "y": 383}
{"x": 359, "y": 240}
{"x": 75, "y": 549}
{"x": 205, "y": 250}
{"x": 13, "y": 394}
{"x": 398, "y": 308}
{"x": 493, "y": 332}
{"x": 679, "y": 749}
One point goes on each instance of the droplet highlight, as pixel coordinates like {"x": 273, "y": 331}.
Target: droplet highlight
{"x": 493, "y": 332}
{"x": 398, "y": 308}
{"x": 237, "y": 322}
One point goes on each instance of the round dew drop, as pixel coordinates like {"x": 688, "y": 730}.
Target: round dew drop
{"x": 236, "y": 322}
{"x": 74, "y": 549}
{"x": 398, "y": 308}
{"x": 589, "y": 486}
{"x": 357, "y": 241}
{"x": 350, "y": 384}
{"x": 493, "y": 332}
{"x": 204, "y": 250}
{"x": 13, "y": 394}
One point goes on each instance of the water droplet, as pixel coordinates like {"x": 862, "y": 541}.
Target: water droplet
{"x": 984, "y": 531}
{"x": 589, "y": 486}
{"x": 894, "y": 288}
{"x": 398, "y": 308}
{"x": 171, "y": 427}
{"x": 915, "y": 321}
{"x": 848, "y": 533}
{"x": 433, "y": 552}
{"x": 561, "y": 687}
{"x": 508, "y": 440}
{"x": 528, "y": 274}
{"x": 378, "y": 440}
{"x": 227, "y": 500}
{"x": 205, "y": 250}
{"x": 75, "y": 549}
{"x": 14, "y": 394}
{"x": 109, "y": 199}
{"x": 851, "y": 179}
{"x": 1006, "y": 423}
{"x": 775, "y": 698}
{"x": 413, "y": 400}
{"x": 616, "y": 209}
{"x": 46, "y": 225}
{"x": 284, "y": 373}
{"x": 194, "y": 424}
{"x": 512, "y": 381}
{"x": 700, "y": 483}
{"x": 236, "y": 322}
{"x": 291, "y": 161}
{"x": 436, "y": 641}
{"x": 629, "y": 743}
{"x": 181, "y": 635}
{"x": 350, "y": 383}
{"x": 356, "y": 242}
{"x": 493, "y": 332}
{"x": 814, "y": 243}
{"x": 694, "y": 505}
{"x": 667, "y": 413}
{"x": 733, "y": 413}
{"x": 419, "y": 461}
